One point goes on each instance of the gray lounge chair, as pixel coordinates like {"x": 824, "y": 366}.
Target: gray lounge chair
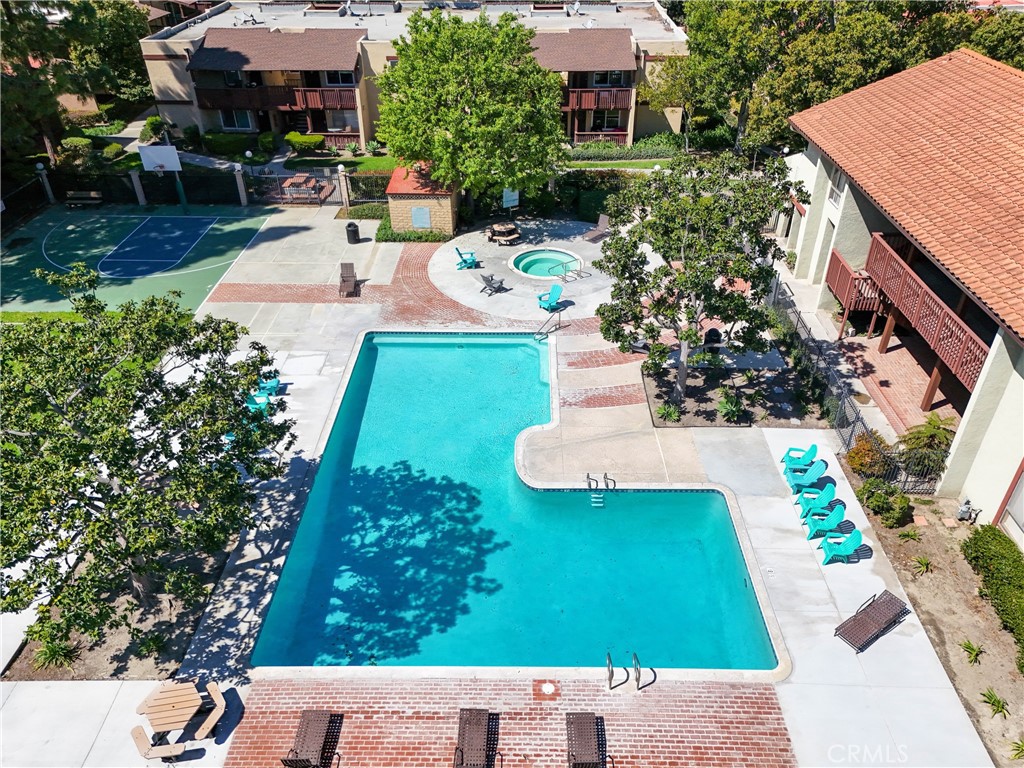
{"x": 347, "y": 285}
{"x": 585, "y": 741}
{"x": 492, "y": 284}
{"x": 600, "y": 232}
{"x": 878, "y": 615}
{"x": 478, "y": 740}
{"x": 316, "y": 740}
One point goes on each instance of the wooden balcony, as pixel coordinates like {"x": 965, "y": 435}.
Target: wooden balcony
{"x": 953, "y": 341}
{"x": 276, "y": 97}
{"x": 856, "y": 291}
{"x": 597, "y": 98}
{"x": 618, "y": 137}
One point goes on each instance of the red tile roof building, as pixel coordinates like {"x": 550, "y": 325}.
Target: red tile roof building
{"x": 940, "y": 150}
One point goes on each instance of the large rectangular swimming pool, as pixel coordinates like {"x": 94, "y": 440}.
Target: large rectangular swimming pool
{"x": 419, "y": 544}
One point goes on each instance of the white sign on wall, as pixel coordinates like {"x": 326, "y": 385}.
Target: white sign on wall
{"x": 420, "y": 217}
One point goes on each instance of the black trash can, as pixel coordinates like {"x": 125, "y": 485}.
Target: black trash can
{"x": 352, "y": 231}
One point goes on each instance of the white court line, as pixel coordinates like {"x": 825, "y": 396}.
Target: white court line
{"x": 99, "y": 266}
{"x": 67, "y": 269}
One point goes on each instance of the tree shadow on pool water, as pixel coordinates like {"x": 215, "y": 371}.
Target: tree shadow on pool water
{"x": 410, "y": 552}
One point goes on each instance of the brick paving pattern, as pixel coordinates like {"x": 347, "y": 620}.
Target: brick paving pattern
{"x": 896, "y": 380}
{"x": 412, "y": 723}
{"x": 602, "y": 397}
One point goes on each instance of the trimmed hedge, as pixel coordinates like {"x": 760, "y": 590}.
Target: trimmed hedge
{"x": 152, "y": 130}
{"x": 112, "y": 151}
{"x": 385, "y": 234}
{"x": 994, "y": 557}
{"x": 219, "y": 143}
{"x": 607, "y": 150}
{"x": 365, "y": 211}
{"x": 302, "y": 143}
{"x": 267, "y": 141}
{"x": 105, "y": 130}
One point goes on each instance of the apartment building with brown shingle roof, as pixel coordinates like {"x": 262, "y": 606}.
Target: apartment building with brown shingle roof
{"x": 917, "y": 217}
{"x": 251, "y": 67}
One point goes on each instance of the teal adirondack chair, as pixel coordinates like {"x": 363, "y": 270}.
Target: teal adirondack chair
{"x": 549, "y": 300}
{"x": 269, "y": 386}
{"x": 257, "y": 402}
{"x": 467, "y": 259}
{"x": 802, "y": 477}
{"x": 811, "y": 499}
{"x": 798, "y": 457}
{"x": 840, "y": 549}
{"x": 826, "y": 525}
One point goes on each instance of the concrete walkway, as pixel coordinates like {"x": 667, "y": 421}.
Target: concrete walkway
{"x": 891, "y": 705}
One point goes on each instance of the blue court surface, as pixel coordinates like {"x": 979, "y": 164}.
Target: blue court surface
{"x": 156, "y": 245}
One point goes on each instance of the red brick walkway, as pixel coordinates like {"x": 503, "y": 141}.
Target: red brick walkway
{"x": 896, "y": 380}
{"x": 413, "y": 723}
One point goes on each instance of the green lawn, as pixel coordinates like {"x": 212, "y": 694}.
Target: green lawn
{"x": 618, "y": 163}
{"x": 10, "y": 316}
{"x": 363, "y": 163}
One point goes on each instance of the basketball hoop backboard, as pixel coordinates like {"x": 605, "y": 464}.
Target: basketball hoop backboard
{"x": 159, "y": 155}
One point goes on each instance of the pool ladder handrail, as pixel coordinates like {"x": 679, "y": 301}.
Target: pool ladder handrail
{"x": 609, "y": 482}
{"x": 577, "y": 274}
{"x": 635, "y": 673}
{"x": 544, "y": 331}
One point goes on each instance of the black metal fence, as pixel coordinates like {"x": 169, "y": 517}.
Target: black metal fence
{"x": 22, "y": 202}
{"x": 368, "y": 187}
{"x": 914, "y": 472}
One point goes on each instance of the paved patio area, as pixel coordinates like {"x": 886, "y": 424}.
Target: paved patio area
{"x": 891, "y": 705}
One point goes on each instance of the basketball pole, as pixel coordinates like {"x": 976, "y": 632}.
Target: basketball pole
{"x": 177, "y": 181}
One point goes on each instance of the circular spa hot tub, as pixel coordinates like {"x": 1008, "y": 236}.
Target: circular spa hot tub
{"x": 545, "y": 263}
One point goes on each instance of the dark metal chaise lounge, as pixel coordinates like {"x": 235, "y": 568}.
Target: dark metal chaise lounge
{"x": 347, "y": 285}
{"x": 586, "y": 742}
{"x": 316, "y": 740}
{"x": 478, "y": 740}
{"x": 598, "y": 233}
{"x": 878, "y": 615}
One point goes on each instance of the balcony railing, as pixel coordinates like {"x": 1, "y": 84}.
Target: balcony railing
{"x": 618, "y": 137}
{"x": 597, "y": 98}
{"x": 856, "y": 291}
{"x": 338, "y": 138}
{"x": 276, "y": 97}
{"x": 955, "y": 343}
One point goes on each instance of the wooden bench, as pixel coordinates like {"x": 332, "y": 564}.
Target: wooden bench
{"x": 78, "y": 198}
{"x": 219, "y": 708}
{"x": 166, "y": 752}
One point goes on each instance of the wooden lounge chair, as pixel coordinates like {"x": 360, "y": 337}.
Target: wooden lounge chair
{"x": 551, "y": 300}
{"x": 219, "y": 708}
{"x": 492, "y": 284}
{"x": 878, "y": 615}
{"x": 598, "y": 233}
{"x": 478, "y": 740}
{"x": 585, "y": 745}
{"x": 315, "y": 740}
{"x": 149, "y": 752}
{"x": 347, "y": 280}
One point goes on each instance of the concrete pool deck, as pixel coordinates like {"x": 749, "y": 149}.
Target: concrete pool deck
{"x": 891, "y": 705}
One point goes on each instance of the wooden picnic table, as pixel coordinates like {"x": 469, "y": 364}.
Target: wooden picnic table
{"x": 171, "y": 706}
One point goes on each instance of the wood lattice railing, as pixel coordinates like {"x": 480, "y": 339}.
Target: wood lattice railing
{"x": 955, "y": 343}
{"x": 854, "y": 290}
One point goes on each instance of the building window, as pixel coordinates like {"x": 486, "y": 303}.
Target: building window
{"x": 607, "y": 120}
{"x": 610, "y": 79}
{"x": 233, "y": 79}
{"x": 235, "y": 120}
{"x": 836, "y": 185}
{"x": 392, "y": 61}
{"x": 336, "y": 79}
{"x": 342, "y": 120}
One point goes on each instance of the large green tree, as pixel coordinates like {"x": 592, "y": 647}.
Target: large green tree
{"x": 114, "y": 456}
{"x": 34, "y": 69}
{"x": 679, "y": 83}
{"x": 469, "y": 98}
{"x": 706, "y": 216}
{"x": 110, "y": 55}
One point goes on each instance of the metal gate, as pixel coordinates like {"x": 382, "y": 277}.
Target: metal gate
{"x": 319, "y": 186}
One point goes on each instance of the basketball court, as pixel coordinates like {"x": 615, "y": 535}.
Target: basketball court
{"x": 137, "y": 255}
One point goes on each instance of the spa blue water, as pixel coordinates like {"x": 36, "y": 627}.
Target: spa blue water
{"x": 419, "y": 545}
{"x": 545, "y": 262}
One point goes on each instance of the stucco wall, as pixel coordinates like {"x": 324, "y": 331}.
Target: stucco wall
{"x": 166, "y": 62}
{"x": 443, "y": 211}
{"x": 816, "y": 183}
{"x": 989, "y": 443}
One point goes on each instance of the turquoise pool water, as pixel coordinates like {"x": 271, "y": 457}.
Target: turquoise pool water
{"x": 545, "y": 262}
{"x": 419, "y": 545}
